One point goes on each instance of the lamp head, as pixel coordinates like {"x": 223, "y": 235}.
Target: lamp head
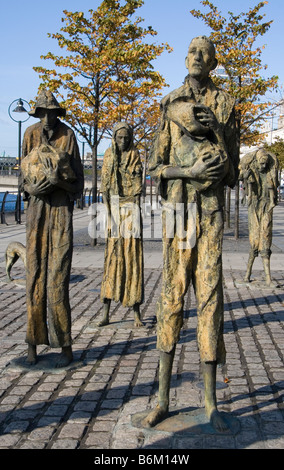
{"x": 20, "y": 107}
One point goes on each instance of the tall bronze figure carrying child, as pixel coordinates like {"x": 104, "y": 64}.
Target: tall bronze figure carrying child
{"x": 195, "y": 155}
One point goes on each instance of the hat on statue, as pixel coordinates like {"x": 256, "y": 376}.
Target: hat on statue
{"x": 46, "y": 100}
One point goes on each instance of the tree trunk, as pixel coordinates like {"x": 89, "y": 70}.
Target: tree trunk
{"x": 237, "y": 186}
{"x": 144, "y": 178}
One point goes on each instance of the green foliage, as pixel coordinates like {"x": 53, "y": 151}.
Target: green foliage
{"x": 278, "y": 149}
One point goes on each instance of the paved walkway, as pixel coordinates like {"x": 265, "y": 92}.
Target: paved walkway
{"x": 97, "y": 401}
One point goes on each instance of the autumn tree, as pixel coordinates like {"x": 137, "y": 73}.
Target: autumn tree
{"x": 105, "y": 74}
{"x": 236, "y": 38}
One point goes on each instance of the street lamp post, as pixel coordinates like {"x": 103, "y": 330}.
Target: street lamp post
{"x": 20, "y": 109}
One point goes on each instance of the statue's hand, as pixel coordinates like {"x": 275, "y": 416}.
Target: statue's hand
{"x": 54, "y": 177}
{"x": 207, "y": 168}
{"x": 206, "y": 117}
{"x": 38, "y": 189}
{"x": 51, "y": 171}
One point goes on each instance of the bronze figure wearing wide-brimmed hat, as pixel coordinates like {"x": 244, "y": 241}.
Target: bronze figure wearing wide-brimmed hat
{"x": 46, "y": 100}
{"x": 52, "y": 179}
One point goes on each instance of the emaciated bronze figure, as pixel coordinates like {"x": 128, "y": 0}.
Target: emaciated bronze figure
{"x": 52, "y": 178}
{"x": 259, "y": 173}
{"x": 123, "y": 278}
{"x": 194, "y": 156}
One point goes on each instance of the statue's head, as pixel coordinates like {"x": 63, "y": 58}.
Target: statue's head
{"x": 262, "y": 160}
{"x": 122, "y": 136}
{"x": 47, "y": 109}
{"x": 201, "y": 59}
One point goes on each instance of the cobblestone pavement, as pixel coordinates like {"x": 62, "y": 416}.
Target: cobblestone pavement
{"x": 93, "y": 403}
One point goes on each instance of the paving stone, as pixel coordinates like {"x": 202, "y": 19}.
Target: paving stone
{"x": 273, "y": 442}
{"x": 33, "y": 445}
{"x": 9, "y": 440}
{"x": 41, "y": 434}
{"x": 56, "y": 410}
{"x": 72, "y": 430}
{"x": 273, "y": 428}
{"x": 16, "y": 427}
{"x": 65, "y": 444}
{"x": 98, "y": 440}
{"x": 105, "y": 426}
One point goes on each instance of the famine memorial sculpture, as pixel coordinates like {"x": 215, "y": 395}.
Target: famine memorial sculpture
{"x": 52, "y": 178}
{"x": 194, "y": 156}
{"x": 259, "y": 173}
{"x": 123, "y": 278}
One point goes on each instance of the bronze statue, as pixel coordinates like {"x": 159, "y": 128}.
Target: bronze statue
{"x": 52, "y": 178}
{"x": 194, "y": 156}
{"x": 123, "y": 278}
{"x": 259, "y": 173}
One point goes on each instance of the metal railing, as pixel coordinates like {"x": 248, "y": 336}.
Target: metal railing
{"x": 9, "y": 172}
{"x": 86, "y": 199}
{"x": 10, "y": 202}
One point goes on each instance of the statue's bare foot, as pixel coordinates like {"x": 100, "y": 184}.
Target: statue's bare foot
{"x": 247, "y": 279}
{"x": 32, "y": 355}
{"x": 137, "y": 320}
{"x": 218, "y": 422}
{"x": 65, "y": 357}
{"x": 137, "y": 323}
{"x": 103, "y": 322}
{"x": 155, "y": 416}
{"x": 272, "y": 284}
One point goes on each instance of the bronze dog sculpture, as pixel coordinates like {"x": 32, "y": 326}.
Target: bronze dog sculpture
{"x": 14, "y": 251}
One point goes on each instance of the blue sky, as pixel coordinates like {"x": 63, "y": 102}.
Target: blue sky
{"x": 23, "y": 39}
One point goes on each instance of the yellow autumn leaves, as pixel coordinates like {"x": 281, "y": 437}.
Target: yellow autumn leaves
{"x": 105, "y": 72}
